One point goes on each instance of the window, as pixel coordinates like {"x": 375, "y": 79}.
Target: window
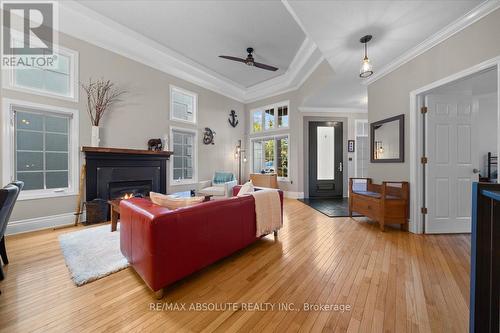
{"x": 283, "y": 116}
{"x": 362, "y": 148}
{"x": 60, "y": 81}
{"x": 282, "y": 157}
{"x": 270, "y": 117}
{"x": 257, "y": 122}
{"x": 42, "y": 149}
{"x": 183, "y": 105}
{"x": 271, "y": 155}
{"x": 183, "y": 166}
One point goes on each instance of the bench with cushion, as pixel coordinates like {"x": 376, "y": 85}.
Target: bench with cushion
{"x": 386, "y": 203}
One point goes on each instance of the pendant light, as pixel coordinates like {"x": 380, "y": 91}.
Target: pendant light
{"x": 366, "y": 68}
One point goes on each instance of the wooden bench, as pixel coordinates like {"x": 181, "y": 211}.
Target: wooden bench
{"x": 386, "y": 203}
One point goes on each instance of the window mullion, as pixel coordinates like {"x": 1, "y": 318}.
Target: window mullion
{"x": 263, "y": 120}
{"x": 275, "y": 117}
{"x": 44, "y": 157}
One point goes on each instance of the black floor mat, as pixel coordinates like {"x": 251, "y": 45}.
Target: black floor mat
{"x": 331, "y": 207}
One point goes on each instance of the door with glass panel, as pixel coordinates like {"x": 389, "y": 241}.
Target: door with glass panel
{"x": 325, "y": 159}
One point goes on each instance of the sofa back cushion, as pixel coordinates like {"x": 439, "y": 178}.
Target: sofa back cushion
{"x": 222, "y": 177}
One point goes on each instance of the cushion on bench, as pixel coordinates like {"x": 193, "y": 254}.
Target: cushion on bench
{"x": 375, "y": 194}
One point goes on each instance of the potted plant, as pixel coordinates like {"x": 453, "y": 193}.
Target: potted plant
{"x": 101, "y": 94}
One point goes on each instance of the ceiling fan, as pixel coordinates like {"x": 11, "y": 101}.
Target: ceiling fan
{"x": 250, "y": 61}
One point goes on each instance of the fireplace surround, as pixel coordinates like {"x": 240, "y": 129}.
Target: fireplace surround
{"x": 111, "y": 173}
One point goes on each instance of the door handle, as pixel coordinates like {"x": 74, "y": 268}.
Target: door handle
{"x": 475, "y": 170}
{"x": 340, "y": 167}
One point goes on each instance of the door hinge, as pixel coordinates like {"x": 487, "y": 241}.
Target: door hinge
{"x": 423, "y": 160}
{"x": 423, "y": 109}
{"x": 423, "y": 210}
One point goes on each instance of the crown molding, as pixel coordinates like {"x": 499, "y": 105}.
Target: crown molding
{"x": 453, "y": 28}
{"x": 86, "y": 24}
{"x": 311, "y": 109}
{"x": 303, "y": 65}
{"x": 292, "y": 87}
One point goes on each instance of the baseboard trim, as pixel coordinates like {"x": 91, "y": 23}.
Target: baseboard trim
{"x": 294, "y": 195}
{"x": 40, "y": 223}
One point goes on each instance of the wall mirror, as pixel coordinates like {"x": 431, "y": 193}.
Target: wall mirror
{"x": 388, "y": 140}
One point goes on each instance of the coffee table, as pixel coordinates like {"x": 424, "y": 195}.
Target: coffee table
{"x": 114, "y": 206}
{"x": 187, "y": 194}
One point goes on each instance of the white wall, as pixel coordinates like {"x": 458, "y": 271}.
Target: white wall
{"x": 488, "y": 129}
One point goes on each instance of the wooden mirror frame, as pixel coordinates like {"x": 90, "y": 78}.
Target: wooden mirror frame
{"x": 401, "y": 159}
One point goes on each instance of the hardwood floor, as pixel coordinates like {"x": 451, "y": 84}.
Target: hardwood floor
{"x": 392, "y": 281}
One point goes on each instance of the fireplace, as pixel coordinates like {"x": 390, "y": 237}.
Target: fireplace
{"x": 112, "y": 173}
{"x": 124, "y": 189}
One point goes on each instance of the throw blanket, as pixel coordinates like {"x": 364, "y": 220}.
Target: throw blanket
{"x": 267, "y": 211}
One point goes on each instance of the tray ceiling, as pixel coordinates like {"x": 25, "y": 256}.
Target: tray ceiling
{"x": 203, "y": 30}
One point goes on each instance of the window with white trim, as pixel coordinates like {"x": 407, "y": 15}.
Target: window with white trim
{"x": 270, "y": 155}
{"x": 41, "y": 149}
{"x": 183, "y": 105}
{"x": 59, "y": 81}
{"x": 362, "y": 149}
{"x": 183, "y": 166}
{"x": 270, "y": 117}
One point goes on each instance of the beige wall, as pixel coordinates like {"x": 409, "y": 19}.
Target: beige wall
{"x": 143, "y": 114}
{"x": 390, "y": 95}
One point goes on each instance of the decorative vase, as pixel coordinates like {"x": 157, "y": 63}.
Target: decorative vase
{"x": 165, "y": 142}
{"x": 95, "y": 137}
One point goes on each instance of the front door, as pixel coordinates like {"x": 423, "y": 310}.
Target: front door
{"x": 452, "y": 163}
{"x": 325, "y": 159}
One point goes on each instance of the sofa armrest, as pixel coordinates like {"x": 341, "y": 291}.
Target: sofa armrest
{"x": 228, "y": 187}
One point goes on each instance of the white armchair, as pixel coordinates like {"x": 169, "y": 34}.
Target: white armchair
{"x": 221, "y": 185}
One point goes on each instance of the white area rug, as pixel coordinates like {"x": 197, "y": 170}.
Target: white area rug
{"x": 92, "y": 253}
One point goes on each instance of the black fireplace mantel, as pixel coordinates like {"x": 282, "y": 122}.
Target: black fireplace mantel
{"x": 107, "y": 166}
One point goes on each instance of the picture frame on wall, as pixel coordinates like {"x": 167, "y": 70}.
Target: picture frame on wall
{"x": 350, "y": 146}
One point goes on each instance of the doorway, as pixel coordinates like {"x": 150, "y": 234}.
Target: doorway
{"x": 325, "y": 159}
{"x": 459, "y": 130}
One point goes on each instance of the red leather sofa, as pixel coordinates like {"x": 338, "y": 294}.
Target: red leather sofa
{"x": 163, "y": 245}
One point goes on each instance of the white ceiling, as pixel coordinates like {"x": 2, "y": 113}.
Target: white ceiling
{"x": 203, "y": 30}
{"x": 396, "y": 26}
{"x": 184, "y": 38}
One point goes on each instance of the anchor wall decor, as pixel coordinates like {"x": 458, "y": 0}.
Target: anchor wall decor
{"x": 232, "y": 118}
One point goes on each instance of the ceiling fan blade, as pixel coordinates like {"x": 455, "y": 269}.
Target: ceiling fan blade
{"x": 264, "y": 66}
{"x": 232, "y": 58}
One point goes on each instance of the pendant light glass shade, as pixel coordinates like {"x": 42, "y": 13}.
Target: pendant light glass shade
{"x": 366, "y": 67}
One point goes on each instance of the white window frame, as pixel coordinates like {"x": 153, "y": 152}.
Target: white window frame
{"x": 195, "y": 107}
{"x": 262, "y": 110}
{"x": 275, "y": 138}
{"x": 8, "y": 77}
{"x": 356, "y": 135}
{"x": 176, "y": 182}
{"x": 8, "y": 151}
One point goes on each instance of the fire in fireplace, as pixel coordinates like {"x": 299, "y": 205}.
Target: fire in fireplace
{"x": 129, "y": 189}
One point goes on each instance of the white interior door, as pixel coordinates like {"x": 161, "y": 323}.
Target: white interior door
{"x": 452, "y": 162}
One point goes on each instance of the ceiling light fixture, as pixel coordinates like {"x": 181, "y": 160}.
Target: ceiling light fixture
{"x": 366, "y": 68}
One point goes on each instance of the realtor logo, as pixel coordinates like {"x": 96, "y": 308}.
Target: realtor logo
{"x": 28, "y": 34}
